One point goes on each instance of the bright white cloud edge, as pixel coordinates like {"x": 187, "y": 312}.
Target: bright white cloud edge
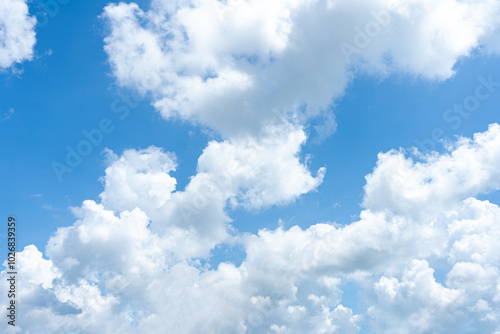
{"x": 233, "y": 65}
{"x": 132, "y": 270}
{"x": 130, "y": 263}
{"x": 17, "y": 33}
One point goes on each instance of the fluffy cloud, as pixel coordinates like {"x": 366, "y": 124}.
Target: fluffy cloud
{"x": 114, "y": 269}
{"x": 139, "y": 179}
{"x": 247, "y": 172}
{"x": 17, "y": 34}
{"x": 263, "y": 171}
{"x": 405, "y": 186}
{"x": 423, "y": 254}
{"x": 231, "y": 65}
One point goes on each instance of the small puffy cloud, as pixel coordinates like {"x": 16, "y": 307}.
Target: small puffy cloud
{"x": 40, "y": 271}
{"x": 17, "y": 34}
{"x": 99, "y": 233}
{"x": 263, "y": 171}
{"x": 406, "y": 186}
{"x": 138, "y": 179}
{"x": 231, "y": 65}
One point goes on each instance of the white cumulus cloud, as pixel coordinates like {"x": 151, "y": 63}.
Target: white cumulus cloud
{"x": 423, "y": 255}
{"x": 231, "y": 65}
{"x": 17, "y": 34}
{"x": 133, "y": 269}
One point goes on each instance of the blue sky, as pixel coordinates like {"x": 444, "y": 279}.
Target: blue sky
{"x": 70, "y": 84}
{"x": 376, "y": 115}
{"x": 57, "y": 97}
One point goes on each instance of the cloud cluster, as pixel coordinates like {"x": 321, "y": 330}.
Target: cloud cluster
{"x": 423, "y": 254}
{"x": 124, "y": 266}
{"x": 469, "y": 169}
{"x": 17, "y": 34}
{"x": 247, "y": 172}
{"x": 230, "y": 65}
